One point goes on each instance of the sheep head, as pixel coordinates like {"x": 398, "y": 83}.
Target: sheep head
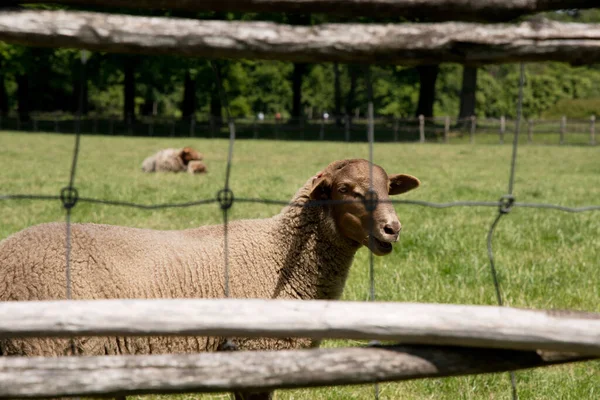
{"x": 359, "y": 213}
{"x": 188, "y": 154}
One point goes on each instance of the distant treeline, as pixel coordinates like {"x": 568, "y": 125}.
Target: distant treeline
{"x": 49, "y": 80}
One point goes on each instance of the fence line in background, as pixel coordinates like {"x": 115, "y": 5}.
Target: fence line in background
{"x": 444, "y": 129}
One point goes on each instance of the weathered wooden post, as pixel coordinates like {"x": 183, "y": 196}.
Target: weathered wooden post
{"x": 446, "y": 129}
{"x": 421, "y": 128}
{"x": 593, "y": 130}
{"x": 502, "y": 128}
{"x": 563, "y": 129}
{"x": 530, "y": 131}
{"x": 473, "y": 127}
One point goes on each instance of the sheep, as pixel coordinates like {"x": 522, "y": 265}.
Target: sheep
{"x": 171, "y": 160}
{"x": 304, "y": 252}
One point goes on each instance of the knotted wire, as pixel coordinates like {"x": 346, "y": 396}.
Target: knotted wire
{"x": 371, "y": 199}
{"x": 69, "y": 195}
{"x": 506, "y": 203}
{"x": 225, "y": 196}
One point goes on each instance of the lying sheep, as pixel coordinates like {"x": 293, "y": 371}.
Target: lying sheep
{"x": 174, "y": 160}
{"x": 300, "y": 253}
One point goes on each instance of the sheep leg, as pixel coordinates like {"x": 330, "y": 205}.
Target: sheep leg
{"x": 253, "y": 395}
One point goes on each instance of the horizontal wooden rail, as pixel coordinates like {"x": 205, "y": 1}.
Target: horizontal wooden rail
{"x": 461, "y": 10}
{"x": 408, "y": 44}
{"x": 437, "y": 324}
{"x": 23, "y": 377}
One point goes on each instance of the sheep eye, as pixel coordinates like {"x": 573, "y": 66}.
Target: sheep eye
{"x": 343, "y": 189}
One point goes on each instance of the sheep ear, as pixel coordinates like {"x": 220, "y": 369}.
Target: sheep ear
{"x": 321, "y": 189}
{"x": 402, "y": 183}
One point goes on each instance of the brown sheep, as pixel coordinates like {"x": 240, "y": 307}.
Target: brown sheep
{"x": 171, "y": 160}
{"x": 304, "y": 252}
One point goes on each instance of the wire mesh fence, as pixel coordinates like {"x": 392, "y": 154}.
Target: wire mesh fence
{"x": 381, "y": 129}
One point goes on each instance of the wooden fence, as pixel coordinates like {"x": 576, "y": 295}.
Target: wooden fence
{"x": 437, "y": 340}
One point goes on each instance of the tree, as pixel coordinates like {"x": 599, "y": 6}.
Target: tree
{"x": 337, "y": 94}
{"x": 468, "y": 91}
{"x": 129, "y": 63}
{"x": 188, "y": 106}
{"x": 427, "y": 77}
{"x": 299, "y": 70}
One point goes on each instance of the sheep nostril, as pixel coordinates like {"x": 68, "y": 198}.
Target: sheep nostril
{"x": 392, "y": 229}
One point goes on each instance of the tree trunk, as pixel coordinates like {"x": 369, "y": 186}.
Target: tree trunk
{"x": 297, "y": 75}
{"x": 23, "y": 97}
{"x": 467, "y": 93}
{"x": 188, "y": 106}
{"x": 149, "y": 103}
{"x": 337, "y": 94}
{"x": 427, "y": 77}
{"x": 351, "y": 99}
{"x": 129, "y": 91}
{"x": 216, "y": 108}
{"x": 3, "y": 97}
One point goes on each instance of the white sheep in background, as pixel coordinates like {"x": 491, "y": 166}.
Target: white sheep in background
{"x": 300, "y": 253}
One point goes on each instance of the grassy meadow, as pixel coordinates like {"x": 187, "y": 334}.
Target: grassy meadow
{"x": 545, "y": 258}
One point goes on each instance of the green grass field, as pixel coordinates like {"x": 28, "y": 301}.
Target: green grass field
{"x": 545, "y": 258}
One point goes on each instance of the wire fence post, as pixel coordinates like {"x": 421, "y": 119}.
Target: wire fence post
{"x": 34, "y": 122}
{"x": 530, "y": 131}
{"x": 95, "y": 125}
{"x": 473, "y": 127}
{"x": 111, "y": 125}
{"x": 151, "y": 126}
{"x": 421, "y": 128}
{"x": 446, "y": 129}
{"x": 563, "y": 129}
{"x": 502, "y": 128}
{"x": 395, "y": 129}
{"x": 322, "y": 130}
{"x": 593, "y": 130}
{"x": 254, "y": 129}
{"x": 18, "y": 122}
{"x": 56, "y": 124}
